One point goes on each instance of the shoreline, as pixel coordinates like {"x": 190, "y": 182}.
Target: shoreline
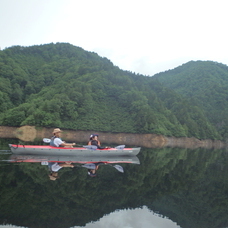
{"x": 32, "y": 133}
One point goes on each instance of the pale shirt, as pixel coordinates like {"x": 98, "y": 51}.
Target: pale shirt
{"x": 58, "y": 142}
{"x": 55, "y": 167}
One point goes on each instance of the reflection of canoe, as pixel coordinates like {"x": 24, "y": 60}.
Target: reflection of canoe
{"x": 79, "y": 151}
{"x": 73, "y": 159}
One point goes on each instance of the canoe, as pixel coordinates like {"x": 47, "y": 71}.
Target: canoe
{"x": 78, "y": 151}
{"x": 73, "y": 159}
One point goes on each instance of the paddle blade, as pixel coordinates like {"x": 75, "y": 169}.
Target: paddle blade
{"x": 119, "y": 168}
{"x": 44, "y": 163}
{"x": 120, "y": 147}
{"x": 46, "y": 140}
{"x": 90, "y": 147}
{"x": 89, "y": 166}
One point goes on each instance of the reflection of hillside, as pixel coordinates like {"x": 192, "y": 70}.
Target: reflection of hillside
{"x": 197, "y": 190}
{"x": 176, "y": 182}
{"x": 204, "y": 204}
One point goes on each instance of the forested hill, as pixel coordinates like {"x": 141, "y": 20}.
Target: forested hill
{"x": 60, "y": 85}
{"x": 206, "y": 83}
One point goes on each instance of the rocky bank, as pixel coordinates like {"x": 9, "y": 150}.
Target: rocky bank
{"x": 32, "y": 133}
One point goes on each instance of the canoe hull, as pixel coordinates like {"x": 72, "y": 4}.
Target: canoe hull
{"x": 74, "y": 159}
{"x": 76, "y": 151}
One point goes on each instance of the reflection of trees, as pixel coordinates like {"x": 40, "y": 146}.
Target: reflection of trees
{"x": 178, "y": 183}
{"x": 205, "y": 203}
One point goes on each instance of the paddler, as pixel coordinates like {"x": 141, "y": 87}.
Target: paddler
{"x": 54, "y": 167}
{"x": 92, "y": 168}
{"x": 57, "y": 141}
{"x": 93, "y": 140}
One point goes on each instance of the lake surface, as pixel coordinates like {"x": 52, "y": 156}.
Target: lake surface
{"x": 161, "y": 188}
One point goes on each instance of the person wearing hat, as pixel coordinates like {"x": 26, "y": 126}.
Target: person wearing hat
{"x": 93, "y": 140}
{"x": 54, "y": 167}
{"x": 57, "y": 141}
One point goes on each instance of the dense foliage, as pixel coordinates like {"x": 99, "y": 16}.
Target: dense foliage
{"x": 188, "y": 186}
{"x": 206, "y": 84}
{"x": 60, "y": 85}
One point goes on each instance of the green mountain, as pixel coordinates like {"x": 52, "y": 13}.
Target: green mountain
{"x": 60, "y": 85}
{"x": 205, "y": 83}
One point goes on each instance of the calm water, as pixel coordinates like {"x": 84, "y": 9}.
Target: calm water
{"x": 161, "y": 188}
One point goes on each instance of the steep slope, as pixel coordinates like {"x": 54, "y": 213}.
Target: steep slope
{"x": 63, "y": 85}
{"x": 206, "y": 83}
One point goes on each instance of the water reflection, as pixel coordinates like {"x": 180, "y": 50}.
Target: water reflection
{"x": 137, "y": 218}
{"x": 56, "y": 163}
{"x": 187, "y": 186}
{"x": 129, "y": 218}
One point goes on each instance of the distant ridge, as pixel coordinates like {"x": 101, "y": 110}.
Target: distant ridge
{"x": 61, "y": 85}
{"x": 205, "y": 82}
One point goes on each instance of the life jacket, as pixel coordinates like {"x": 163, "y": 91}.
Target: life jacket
{"x": 52, "y": 141}
{"x": 50, "y": 164}
{"x": 97, "y": 142}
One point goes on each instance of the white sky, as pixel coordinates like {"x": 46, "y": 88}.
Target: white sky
{"x": 142, "y": 36}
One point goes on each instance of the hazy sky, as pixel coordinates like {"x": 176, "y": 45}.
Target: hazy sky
{"x": 142, "y": 36}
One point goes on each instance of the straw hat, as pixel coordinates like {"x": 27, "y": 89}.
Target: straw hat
{"x": 56, "y": 130}
{"x": 52, "y": 178}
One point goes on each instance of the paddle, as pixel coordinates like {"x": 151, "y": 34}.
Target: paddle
{"x": 46, "y": 140}
{"x": 93, "y": 166}
{"x": 118, "y": 167}
{"x": 90, "y": 147}
{"x": 120, "y": 147}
